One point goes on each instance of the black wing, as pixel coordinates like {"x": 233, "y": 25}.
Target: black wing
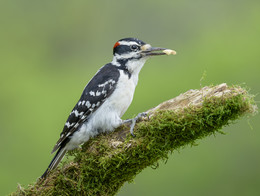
{"x": 100, "y": 87}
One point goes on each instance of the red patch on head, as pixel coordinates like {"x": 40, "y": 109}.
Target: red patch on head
{"x": 116, "y": 44}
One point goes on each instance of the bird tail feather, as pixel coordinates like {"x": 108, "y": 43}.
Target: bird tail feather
{"x": 55, "y": 161}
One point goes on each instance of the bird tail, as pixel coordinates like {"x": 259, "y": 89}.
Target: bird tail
{"x": 55, "y": 161}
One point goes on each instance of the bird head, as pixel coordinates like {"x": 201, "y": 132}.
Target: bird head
{"x": 132, "y": 53}
{"x": 132, "y": 48}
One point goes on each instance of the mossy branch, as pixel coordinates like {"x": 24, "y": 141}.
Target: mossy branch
{"x": 106, "y": 162}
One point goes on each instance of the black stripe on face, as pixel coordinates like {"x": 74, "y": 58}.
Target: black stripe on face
{"x": 122, "y": 49}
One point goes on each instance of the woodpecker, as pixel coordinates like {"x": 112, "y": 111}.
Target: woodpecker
{"x": 106, "y": 97}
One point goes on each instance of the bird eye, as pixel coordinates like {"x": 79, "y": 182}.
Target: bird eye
{"x": 134, "y": 47}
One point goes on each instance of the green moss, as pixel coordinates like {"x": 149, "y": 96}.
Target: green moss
{"x": 105, "y": 163}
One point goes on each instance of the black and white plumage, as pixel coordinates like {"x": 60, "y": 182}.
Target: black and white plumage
{"x": 105, "y": 98}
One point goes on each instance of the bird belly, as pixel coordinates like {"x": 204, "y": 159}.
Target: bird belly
{"x": 108, "y": 116}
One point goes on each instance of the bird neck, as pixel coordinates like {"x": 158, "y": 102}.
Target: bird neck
{"x": 130, "y": 66}
{"x": 133, "y": 65}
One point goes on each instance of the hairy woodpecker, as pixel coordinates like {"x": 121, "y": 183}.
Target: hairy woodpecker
{"x": 106, "y": 97}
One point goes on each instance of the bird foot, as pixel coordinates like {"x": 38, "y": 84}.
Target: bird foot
{"x": 133, "y": 121}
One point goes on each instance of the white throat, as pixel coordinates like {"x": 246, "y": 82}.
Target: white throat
{"x": 134, "y": 66}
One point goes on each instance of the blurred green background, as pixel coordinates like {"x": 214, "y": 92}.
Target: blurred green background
{"x": 49, "y": 50}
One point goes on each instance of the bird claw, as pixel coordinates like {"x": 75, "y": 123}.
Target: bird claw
{"x": 134, "y": 120}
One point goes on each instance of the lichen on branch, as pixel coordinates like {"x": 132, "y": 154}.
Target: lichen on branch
{"x": 106, "y": 162}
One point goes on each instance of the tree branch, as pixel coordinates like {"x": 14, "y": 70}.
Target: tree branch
{"x": 106, "y": 162}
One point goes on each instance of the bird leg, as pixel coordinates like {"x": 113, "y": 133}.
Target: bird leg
{"x": 133, "y": 121}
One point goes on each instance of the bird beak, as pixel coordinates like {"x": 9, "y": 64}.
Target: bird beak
{"x": 148, "y": 50}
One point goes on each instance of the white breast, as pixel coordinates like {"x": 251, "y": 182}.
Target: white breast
{"x": 122, "y": 97}
{"x": 108, "y": 116}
